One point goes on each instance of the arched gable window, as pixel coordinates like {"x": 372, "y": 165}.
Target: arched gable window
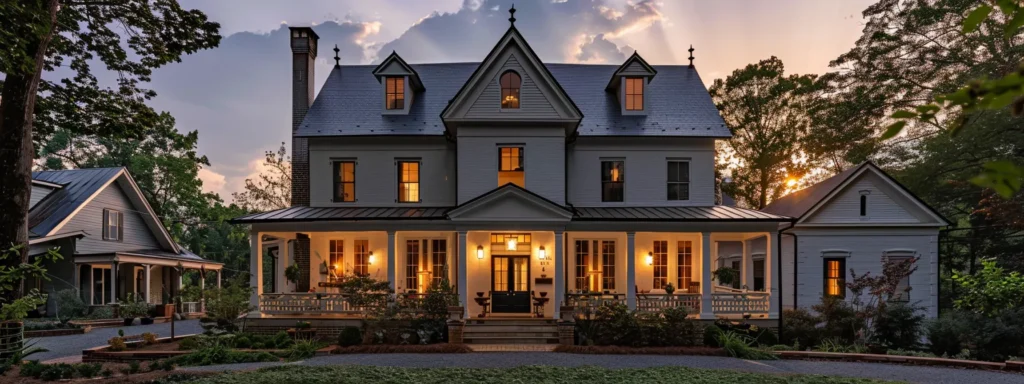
{"x": 510, "y": 82}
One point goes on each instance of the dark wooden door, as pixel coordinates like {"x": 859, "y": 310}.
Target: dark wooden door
{"x": 510, "y": 284}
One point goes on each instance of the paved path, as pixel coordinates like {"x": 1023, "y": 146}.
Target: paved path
{"x": 914, "y": 374}
{"x": 72, "y": 345}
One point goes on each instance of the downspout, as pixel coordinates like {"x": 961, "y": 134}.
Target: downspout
{"x": 779, "y": 273}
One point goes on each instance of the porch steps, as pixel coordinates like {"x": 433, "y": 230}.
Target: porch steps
{"x": 510, "y": 331}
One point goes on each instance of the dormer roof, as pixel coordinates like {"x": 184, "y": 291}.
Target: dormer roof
{"x": 633, "y": 66}
{"x": 393, "y": 65}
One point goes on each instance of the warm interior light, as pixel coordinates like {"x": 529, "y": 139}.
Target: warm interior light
{"x": 650, "y": 258}
{"x": 615, "y": 174}
{"x": 372, "y": 258}
{"x": 480, "y": 252}
{"x": 542, "y": 254}
{"x": 511, "y": 245}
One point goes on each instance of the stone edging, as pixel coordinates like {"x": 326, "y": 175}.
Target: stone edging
{"x": 102, "y": 354}
{"x": 867, "y": 357}
{"x": 56, "y": 332}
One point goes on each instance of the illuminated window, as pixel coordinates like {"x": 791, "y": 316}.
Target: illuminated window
{"x": 684, "y": 263}
{"x": 395, "y": 92}
{"x": 510, "y": 168}
{"x": 438, "y": 259}
{"x": 634, "y": 93}
{"x": 336, "y": 259}
{"x": 608, "y": 265}
{"x": 582, "y": 265}
{"x": 660, "y": 264}
{"x": 678, "y": 180}
{"x": 412, "y": 265}
{"x": 408, "y": 181}
{"x": 344, "y": 181}
{"x": 613, "y": 175}
{"x": 362, "y": 253}
{"x": 835, "y": 277}
{"x": 510, "y": 82}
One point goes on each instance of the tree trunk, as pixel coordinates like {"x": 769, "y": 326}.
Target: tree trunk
{"x": 17, "y": 105}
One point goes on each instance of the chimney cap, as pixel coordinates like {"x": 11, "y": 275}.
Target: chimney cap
{"x": 298, "y": 32}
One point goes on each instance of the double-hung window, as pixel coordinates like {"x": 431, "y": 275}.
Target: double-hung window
{"x": 613, "y": 176}
{"x": 684, "y": 263}
{"x": 113, "y": 225}
{"x": 660, "y": 261}
{"x": 835, "y": 277}
{"x": 362, "y": 258}
{"x": 344, "y": 181}
{"x": 510, "y": 166}
{"x": 678, "y": 180}
{"x": 408, "y": 181}
{"x": 336, "y": 259}
{"x": 903, "y": 287}
{"x": 395, "y": 92}
{"x": 634, "y": 93}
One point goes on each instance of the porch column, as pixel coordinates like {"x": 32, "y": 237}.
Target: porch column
{"x": 631, "y": 270}
{"x": 218, "y": 278}
{"x": 463, "y": 279}
{"x": 706, "y": 311}
{"x": 202, "y": 280}
{"x": 392, "y": 260}
{"x": 747, "y": 265}
{"x": 255, "y": 268}
{"x": 769, "y": 274}
{"x": 556, "y": 301}
{"x": 113, "y": 282}
{"x": 149, "y": 270}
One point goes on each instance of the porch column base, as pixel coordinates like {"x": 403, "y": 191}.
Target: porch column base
{"x": 455, "y": 328}
{"x": 566, "y": 333}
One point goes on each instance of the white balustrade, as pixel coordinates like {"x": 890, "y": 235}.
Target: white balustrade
{"x": 305, "y": 303}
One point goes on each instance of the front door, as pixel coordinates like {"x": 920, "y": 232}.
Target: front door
{"x": 510, "y": 284}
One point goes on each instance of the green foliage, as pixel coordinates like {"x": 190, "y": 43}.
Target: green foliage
{"x": 224, "y": 305}
{"x": 69, "y": 304}
{"x": 989, "y": 291}
{"x": 350, "y": 336}
{"x": 800, "y": 327}
{"x": 103, "y": 312}
{"x": 133, "y": 367}
{"x": 985, "y": 338}
{"x": 219, "y": 354}
{"x": 272, "y": 189}
{"x": 615, "y": 324}
{"x": 59, "y": 371}
{"x": 900, "y": 326}
{"x": 302, "y": 349}
{"x": 839, "y": 320}
{"x": 117, "y": 343}
{"x": 726, "y": 275}
{"x": 11, "y": 278}
{"x": 742, "y": 347}
{"x": 759, "y": 336}
{"x": 836, "y": 345}
{"x": 871, "y": 294}
{"x": 188, "y": 344}
{"x": 134, "y": 306}
{"x": 440, "y": 295}
{"x": 88, "y": 370}
{"x": 292, "y": 273}
{"x": 32, "y": 368}
{"x": 765, "y": 110}
{"x": 190, "y": 293}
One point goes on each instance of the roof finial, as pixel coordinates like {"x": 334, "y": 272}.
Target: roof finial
{"x": 691, "y": 55}
{"x": 337, "y": 60}
{"x": 512, "y": 15}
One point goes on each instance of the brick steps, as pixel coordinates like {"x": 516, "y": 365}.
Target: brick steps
{"x": 511, "y": 331}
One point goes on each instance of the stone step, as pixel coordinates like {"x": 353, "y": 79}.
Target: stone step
{"x": 526, "y": 322}
{"x": 509, "y": 328}
{"x": 510, "y": 340}
{"x": 468, "y": 335}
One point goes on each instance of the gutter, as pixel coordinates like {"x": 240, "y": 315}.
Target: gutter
{"x": 779, "y": 273}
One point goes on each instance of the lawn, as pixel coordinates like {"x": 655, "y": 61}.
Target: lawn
{"x": 533, "y": 374}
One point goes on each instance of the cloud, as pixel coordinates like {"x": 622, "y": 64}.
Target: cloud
{"x": 213, "y": 182}
{"x": 559, "y": 31}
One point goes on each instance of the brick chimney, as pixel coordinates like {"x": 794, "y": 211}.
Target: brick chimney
{"x": 303, "y": 44}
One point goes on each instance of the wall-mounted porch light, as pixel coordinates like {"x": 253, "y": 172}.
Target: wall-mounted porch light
{"x": 479, "y": 252}
{"x": 650, "y": 258}
{"x": 372, "y": 259}
{"x": 542, "y": 254}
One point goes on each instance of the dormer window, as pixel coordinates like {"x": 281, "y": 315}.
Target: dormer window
{"x": 510, "y": 82}
{"x": 395, "y": 92}
{"x": 634, "y": 93}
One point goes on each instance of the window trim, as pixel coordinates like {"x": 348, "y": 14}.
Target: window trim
{"x": 682, "y": 267}
{"x": 627, "y": 96}
{"x": 522, "y": 162}
{"x": 335, "y": 168}
{"x": 655, "y": 265}
{"x": 356, "y": 266}
{"x": 400, "y": 183}
{"x": 840, "y": 278}
{"x": 119, "y": 236}
{"x": 399, "y": 92}
{"x": 331, "y": 253}
{"x": 901, "y": 254}
{"x": 669, "y": 183}
{"x": 518, "y": 91}
{"x": 594, "y": 260}
{"x": 621, "y": 182}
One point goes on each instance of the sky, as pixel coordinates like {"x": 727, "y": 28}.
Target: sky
{"x": 238, "y": 95}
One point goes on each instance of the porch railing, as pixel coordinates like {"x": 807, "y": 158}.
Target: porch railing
{"x": 305, "y": 303}
{"x": 654, "y": 302}
{"x": 721, "y": 303}
{"x": 740, "y": 303}
{"x": 192, "y": 307}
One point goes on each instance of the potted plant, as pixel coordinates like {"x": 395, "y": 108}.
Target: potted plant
{"x": 132, "y": 307}
{"x": 669, "y": 288}
{"x": 303, "y": 330}
{"x": 292, "y": 274}
{"x": 150, "y": 314}
{"x": 726, "y": 275}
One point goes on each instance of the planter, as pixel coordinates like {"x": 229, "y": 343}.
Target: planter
{"x": 146, "y": 320}
{"x": 455, "y": 312}
{"x": 305, "y": 333}
{"x": 164, "y": 310}
{"x": 12, "y": 337}
{"x": 128, "y": 321}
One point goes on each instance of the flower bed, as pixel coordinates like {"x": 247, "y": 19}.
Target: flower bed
{"x": 136, "y": 351}
{"x": 384, "y": 348}
{"x": 617, "y": 350}
{"x": 52, "y": 327}
{"x": 56, "y": 332}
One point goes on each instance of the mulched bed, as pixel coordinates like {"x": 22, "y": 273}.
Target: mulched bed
{"x": 12, "y": 376}
{"x": 616, "y": 350}
{"x": 382, "y": 348}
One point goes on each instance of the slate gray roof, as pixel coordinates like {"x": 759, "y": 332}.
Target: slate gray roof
{"x": 294, "y": 214}
{"x": 797, "y": 204}
{"x": 678, "y": 104}
{"x": 712, "y": 213}
{"x": 78, "y": 184}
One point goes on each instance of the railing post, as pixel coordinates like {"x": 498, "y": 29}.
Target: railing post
{"x": 706, "y": 310}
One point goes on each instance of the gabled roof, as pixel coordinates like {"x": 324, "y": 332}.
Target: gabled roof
{"x": 553, "y": 210}
{"x": 80, "y": 186}
{"x": 634, "y": 58}
{"x": 801, "y": 204}
{"x": 414, "y": 77}
{"x": 511, "y": 36}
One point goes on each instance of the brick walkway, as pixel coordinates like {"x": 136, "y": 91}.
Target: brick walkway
{"x": 512, "y": 347}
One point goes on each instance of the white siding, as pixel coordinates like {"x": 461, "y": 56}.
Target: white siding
{"x": 866, "y": 247}
{"x": 544, "y": 161}
{"x": 646, "y": 170}
{"x": 532, "y": 102}
{"x": 137, "y": 235}
{"x": 376, "y": 172}
{"x": 634, "y": 69}
{"x": 38, "y": 193}
{"x": 883, "y": 205}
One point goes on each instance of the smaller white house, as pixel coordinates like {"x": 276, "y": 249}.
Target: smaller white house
{"x": 852, "y": 222}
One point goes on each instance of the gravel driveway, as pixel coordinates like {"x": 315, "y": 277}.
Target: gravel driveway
{"x": 913, "y": 374}
{"x": 72, "y": 345}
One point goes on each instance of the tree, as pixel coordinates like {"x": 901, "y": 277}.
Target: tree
{"x": 844, "y": 123}
{"x": 764, "y": 109}
{"x": 40, "y": 35}
{"x": 272, "y": 188}
{"x": 211, "y": 236}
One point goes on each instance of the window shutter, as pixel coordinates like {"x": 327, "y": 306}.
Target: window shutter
{"x": 120, "y": 226}
{"x": 106, "y": 219}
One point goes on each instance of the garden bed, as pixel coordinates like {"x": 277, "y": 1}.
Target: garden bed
{"x": 384, "y": 348}
{"x": 869, "y": 357}
{"x": 56, "y": 332}
{"x": 136, "y": 351}
{"x": 617, "y": 350}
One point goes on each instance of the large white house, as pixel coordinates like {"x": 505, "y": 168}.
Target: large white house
{"x": 530, "y": 184}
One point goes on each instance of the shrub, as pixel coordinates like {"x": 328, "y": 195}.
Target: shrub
{"x": 350, "y": 336}
{"x": 760, "y": 336}
{"x": 32, "y": 368}
{"x": 69, "y": 305}
{"x": 985, "y": 338}
{"x": 302, "y": 349}
{"x": 225, "y": 305}
{"x": 242, "y": 342}
{"x": 219, "y": 354}
{"x": 839, "y": 318}
{"x": 60, "y": 371}
{"x": 711, "y": 335}
{"x": 618, "y": 326}
{"x": 134, "y": 306}
{"x": 106, "y": 373}
{"x": 680, "y": 330}
{"x": 899, "y": 326}
{"x": 133, "y": 367}
{"x": 800, "y": 327}
{"x": 188, "y": 344}
{"x": 742, "y": 347}
{"x": 117, "y": 343}
{"x": 989, "y": 291}
{"x": 87, "y": 370}
{"x": 149, "y": 338}
{"x": 101, "y": 313}
{"x": 615, "y": 350}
